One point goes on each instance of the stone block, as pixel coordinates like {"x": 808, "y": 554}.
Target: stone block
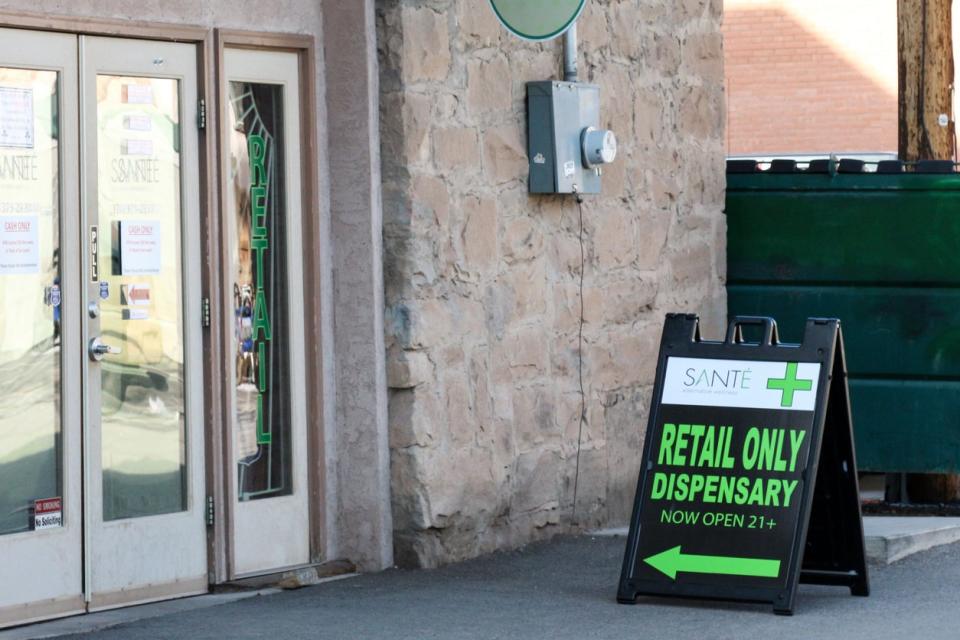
{"x": 504, "y": 154}
{"x": 480, "y": 245}
{"x": 456, "y": 149}
{"x": 426, "y": 44}
{"x": 408, "y": 369}
{"x": 479, "y": 27}
{"x": 488, "y": 86}
{"x": 522, "y": 240}
{"x": 615, "y": 239}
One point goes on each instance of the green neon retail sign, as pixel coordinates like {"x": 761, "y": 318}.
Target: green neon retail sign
{"x": 260, "y": 243}
{"x": 537, "y": 19}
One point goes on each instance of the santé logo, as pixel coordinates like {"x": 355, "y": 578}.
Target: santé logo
{"x": 716, "y": 378}
{"x": 753, "y": 384}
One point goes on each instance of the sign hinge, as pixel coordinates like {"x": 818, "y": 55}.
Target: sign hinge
{"x": 205, "y": 310}
{"x": 210, "y": 511}
{"x": 201, "y": 114}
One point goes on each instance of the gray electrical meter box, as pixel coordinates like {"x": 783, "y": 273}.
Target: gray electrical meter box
{"x": 565, "y": 145}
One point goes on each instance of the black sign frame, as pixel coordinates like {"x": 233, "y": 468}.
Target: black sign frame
{"x": 828, "y": 544}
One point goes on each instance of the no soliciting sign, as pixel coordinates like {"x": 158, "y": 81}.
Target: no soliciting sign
{"x": 732, "y": 450}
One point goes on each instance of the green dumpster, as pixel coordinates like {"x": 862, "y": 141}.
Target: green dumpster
{"x": 880, "y": 251}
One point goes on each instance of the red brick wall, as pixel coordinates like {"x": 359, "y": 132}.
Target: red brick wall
{"x": 811, "y": 76}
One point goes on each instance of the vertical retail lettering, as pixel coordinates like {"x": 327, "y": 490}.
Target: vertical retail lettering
{"x": 260, "y": 243}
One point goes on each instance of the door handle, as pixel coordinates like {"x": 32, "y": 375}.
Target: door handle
{"x": 98, "y": 349}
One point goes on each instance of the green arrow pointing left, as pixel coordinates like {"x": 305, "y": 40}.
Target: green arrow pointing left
{"x": 673, "y": 561}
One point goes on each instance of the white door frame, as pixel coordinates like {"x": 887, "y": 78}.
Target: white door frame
{"x": 46, "y": 566}
{"x": 169, "y": 551}
{"x": 273, "y": 533}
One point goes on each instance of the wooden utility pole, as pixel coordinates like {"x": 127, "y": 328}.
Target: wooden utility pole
{"x": 925, "y": 33}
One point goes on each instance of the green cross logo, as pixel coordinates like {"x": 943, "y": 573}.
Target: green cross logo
{"x": 789, "y": 384}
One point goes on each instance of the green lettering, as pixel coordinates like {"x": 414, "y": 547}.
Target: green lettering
{"x": 725, "y": 492}
{"x": 259, "y": 245}
{"x": 258, "y": 151}
{"x": 680, "y": 492}
{"x": 696, "y": 485}
{"x": 682, "y": 432}
{"x": 796, "y": 440}
{"x": 728, "y": 460}
{"x": 710, "y": 489}
{"x": 262, "y": 365}
{"x": 666, "y": 443}
{"x": 767, "y": 450}
{"x": 789, "y": 486}
{"x": 659, "y": 486}
{"x": 258, "y": 209}
{"x": 743, "y": 490}
{"x": 696, "y": 431}
{"x": 751, "y": 447}
{"x": 261, "y": 321}
{"x": 706, "y": 453}
{"x": 773, "y": 492}
{"x": 262, "y": 437}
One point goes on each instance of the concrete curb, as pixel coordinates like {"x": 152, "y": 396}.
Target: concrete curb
{"x": 892, "y": 538}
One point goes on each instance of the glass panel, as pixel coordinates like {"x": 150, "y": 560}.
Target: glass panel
{"x": 256, "y": 213}
{"x": 142, "y": 413}
{"x": 30, "y": 455}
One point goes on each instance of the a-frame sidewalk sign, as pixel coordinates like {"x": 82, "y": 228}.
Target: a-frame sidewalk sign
{"x": 748, "y": 484}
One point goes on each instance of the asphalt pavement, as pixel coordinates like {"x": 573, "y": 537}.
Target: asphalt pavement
{"x": 566, "y": 589}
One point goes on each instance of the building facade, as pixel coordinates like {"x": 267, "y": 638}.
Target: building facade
{"x": 811, "y": 76}
{"x": 273, "y": 293}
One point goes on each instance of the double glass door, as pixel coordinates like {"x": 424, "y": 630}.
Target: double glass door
{"x": 101, "y": 414}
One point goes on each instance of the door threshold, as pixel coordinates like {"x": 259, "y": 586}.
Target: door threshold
{"x": 100, "y": 620}
{"x": 292, "y": 577}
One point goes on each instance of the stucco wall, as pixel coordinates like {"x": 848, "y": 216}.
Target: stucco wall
{"x": 481, "y": 278}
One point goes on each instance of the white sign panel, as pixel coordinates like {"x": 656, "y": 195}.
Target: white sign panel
{"x": 140, "y": 247}
{"x": 741, "y": 384}
{"x": 16, "y": 118}
{"x": 136, "y": 122}
{"x": 138, "y": 93}
{"x": 136, "y": 147}
{"x": 47, "y": 513}
{"x": 19, "y": 245}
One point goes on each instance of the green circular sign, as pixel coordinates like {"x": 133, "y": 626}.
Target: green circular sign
{"x": 537, "y": 19}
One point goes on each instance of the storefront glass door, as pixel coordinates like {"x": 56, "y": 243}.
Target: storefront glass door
{"x": 101, "y": 420}
{"x": 145, "y": 527}
{"x": 268, "y": 445}
{"x": 40, "y": 342}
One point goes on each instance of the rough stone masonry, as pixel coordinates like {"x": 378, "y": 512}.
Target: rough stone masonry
{"x": 482, "y": 279}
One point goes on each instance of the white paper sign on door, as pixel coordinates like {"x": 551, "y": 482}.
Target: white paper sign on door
{"x": 19, "y": 245}
{"x": 16, "y": 118}
{"x": 140, "y": 247}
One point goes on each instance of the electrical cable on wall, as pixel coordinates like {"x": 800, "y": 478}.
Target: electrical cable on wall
{"x": 583, "y": 395}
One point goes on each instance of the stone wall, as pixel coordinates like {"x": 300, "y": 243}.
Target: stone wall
{"x": 482, "y": 279}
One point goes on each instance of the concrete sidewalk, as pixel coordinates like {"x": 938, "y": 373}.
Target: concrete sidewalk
{"x": 565, "y": 589}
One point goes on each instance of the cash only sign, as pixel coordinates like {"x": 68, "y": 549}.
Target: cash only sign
{"x": 749, "y": 481}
